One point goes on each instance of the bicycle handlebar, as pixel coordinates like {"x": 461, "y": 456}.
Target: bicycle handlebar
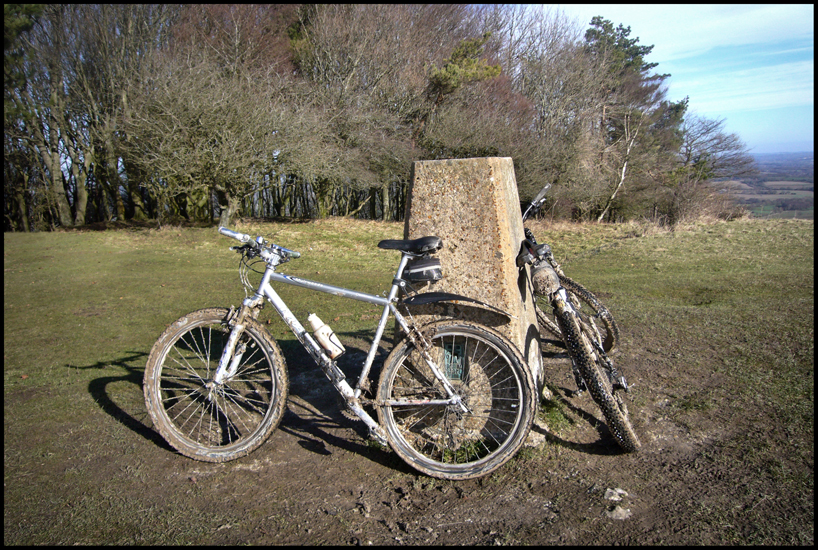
{"x": 537, "y": 202}
{"x": 541, "y": 195}
{"x": 244, "y": 238}
{"x": 241, "y": 237}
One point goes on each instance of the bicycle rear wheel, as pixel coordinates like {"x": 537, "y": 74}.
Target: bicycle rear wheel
{"x": 597, "y": 372}
{"x": 589, "y": 308}
{"x": 208, "y": 421}
{"x": 439, "y": 439}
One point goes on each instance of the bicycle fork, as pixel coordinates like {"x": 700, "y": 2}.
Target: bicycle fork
{"x": 233, "y": 351}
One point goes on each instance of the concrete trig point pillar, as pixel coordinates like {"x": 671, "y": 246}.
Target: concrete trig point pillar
{"x": 473, "y": 205}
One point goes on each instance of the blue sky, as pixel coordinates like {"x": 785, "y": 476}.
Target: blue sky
{"x": 752, "y": 65}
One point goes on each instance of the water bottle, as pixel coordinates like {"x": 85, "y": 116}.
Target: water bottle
{"x": 326, "y": 337}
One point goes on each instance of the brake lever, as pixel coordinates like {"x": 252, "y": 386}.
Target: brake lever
{"x": 247, "y": 249}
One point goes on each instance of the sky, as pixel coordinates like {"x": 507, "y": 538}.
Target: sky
{"x": 752, "y": 65}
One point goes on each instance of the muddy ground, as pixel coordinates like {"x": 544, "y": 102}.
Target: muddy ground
{"x": 318, "y": 481}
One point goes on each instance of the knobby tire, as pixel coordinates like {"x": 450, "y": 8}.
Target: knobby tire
{"x": 591, "y": 364}
{"x": 588, "y": 306}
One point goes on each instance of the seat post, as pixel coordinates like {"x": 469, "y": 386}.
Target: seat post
{"x": 404, "y": 259}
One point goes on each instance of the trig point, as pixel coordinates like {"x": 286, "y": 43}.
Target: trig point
{"x": 473, "y": 205}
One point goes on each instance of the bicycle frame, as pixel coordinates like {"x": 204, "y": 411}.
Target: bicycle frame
{"x": 229, "y": 361}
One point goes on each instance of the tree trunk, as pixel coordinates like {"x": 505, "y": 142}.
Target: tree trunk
{"x": 613, "y": 195}
{"x": 360, "y": 206}
{"x": 229, "y": 206}
{"x": 57, "y": 180}
{"x": 373, "y": 204}
{"x": 386, "y": 209}
{"x": 20, "y": 198}
{"x": 135, "y": 175}
{"x": 80, "y": 179}
{"x": 324, "y": 195}
{"x": 622, "y": 174}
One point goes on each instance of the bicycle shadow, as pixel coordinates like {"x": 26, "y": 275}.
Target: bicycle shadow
{"x": 312, "y": 426}
{"x": 314, "y": 407}
{"x": 606, "y": 445}
{"x": 553, "y": 350}
{"x": 98, "y": 389}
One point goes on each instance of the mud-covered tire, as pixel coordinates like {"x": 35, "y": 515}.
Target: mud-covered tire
{"x": 588, "y": 306}
{"x": 441, "y": 440}
{"x": 590, "y": 362}
{"x": 199, "y": 419}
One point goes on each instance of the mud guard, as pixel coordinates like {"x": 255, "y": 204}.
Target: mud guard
{"x": 434, "y": 297}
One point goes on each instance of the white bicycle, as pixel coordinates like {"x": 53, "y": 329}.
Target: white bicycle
{"x": 455, "y": 399}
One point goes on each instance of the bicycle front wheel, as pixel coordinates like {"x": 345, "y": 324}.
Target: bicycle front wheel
{"x": 208, "y": 421}
{"x": 442, "y": 440}
{"x": 589, "y": 308}
{"x": 596, "y": 371}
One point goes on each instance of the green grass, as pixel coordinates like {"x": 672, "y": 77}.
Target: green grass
{"x": 77, "y": 300}
{"x": 554, "y": 413}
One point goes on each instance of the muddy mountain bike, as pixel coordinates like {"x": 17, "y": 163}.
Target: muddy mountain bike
{"x": 455, "y": 399}
{"x": 586, "y": 327}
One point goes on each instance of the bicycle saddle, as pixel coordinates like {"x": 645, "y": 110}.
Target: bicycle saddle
{"x": 422, "y": 245}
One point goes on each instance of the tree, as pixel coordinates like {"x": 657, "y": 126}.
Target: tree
{"x": 197, "y": 130}
{"x": 551, "y": 70}
{"x": 706, "y": 153}
{"x": 368, "y": 68}
{"x": 18, "y": 19}
{"x": 114, "y": 43}
{"x": 631, "y": 99}
{"x": 17, "y": 164}
{"x": 193, "y": 111}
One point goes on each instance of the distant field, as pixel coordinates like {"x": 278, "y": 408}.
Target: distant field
{"x": 776, "y": 196}
{"x": 787, "y": 184}
{"x": 769, "y": 212}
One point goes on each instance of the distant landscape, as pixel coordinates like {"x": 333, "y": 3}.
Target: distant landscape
{"x": 783, "y": 187}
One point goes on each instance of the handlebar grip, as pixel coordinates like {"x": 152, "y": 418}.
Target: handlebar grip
{"x": 241, "y": 237}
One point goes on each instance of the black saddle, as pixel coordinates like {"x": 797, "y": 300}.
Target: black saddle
{"x": 423, "y": 245}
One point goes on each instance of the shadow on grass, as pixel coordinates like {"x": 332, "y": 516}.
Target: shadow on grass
{"x": 606, "y": 445}
{"x": 98, "y": 388}
{"x": 316, "y": 413}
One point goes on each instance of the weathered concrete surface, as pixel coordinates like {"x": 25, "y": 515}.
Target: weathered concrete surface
{"x": 473, "y": 205}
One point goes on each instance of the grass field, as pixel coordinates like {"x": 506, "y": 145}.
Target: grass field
{"x": 787, "y": 184}
{"x": 717, "y": 317}
{"x": 782, "y": 194}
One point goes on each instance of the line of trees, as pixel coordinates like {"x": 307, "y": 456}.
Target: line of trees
{"x": 167, "y": 112}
